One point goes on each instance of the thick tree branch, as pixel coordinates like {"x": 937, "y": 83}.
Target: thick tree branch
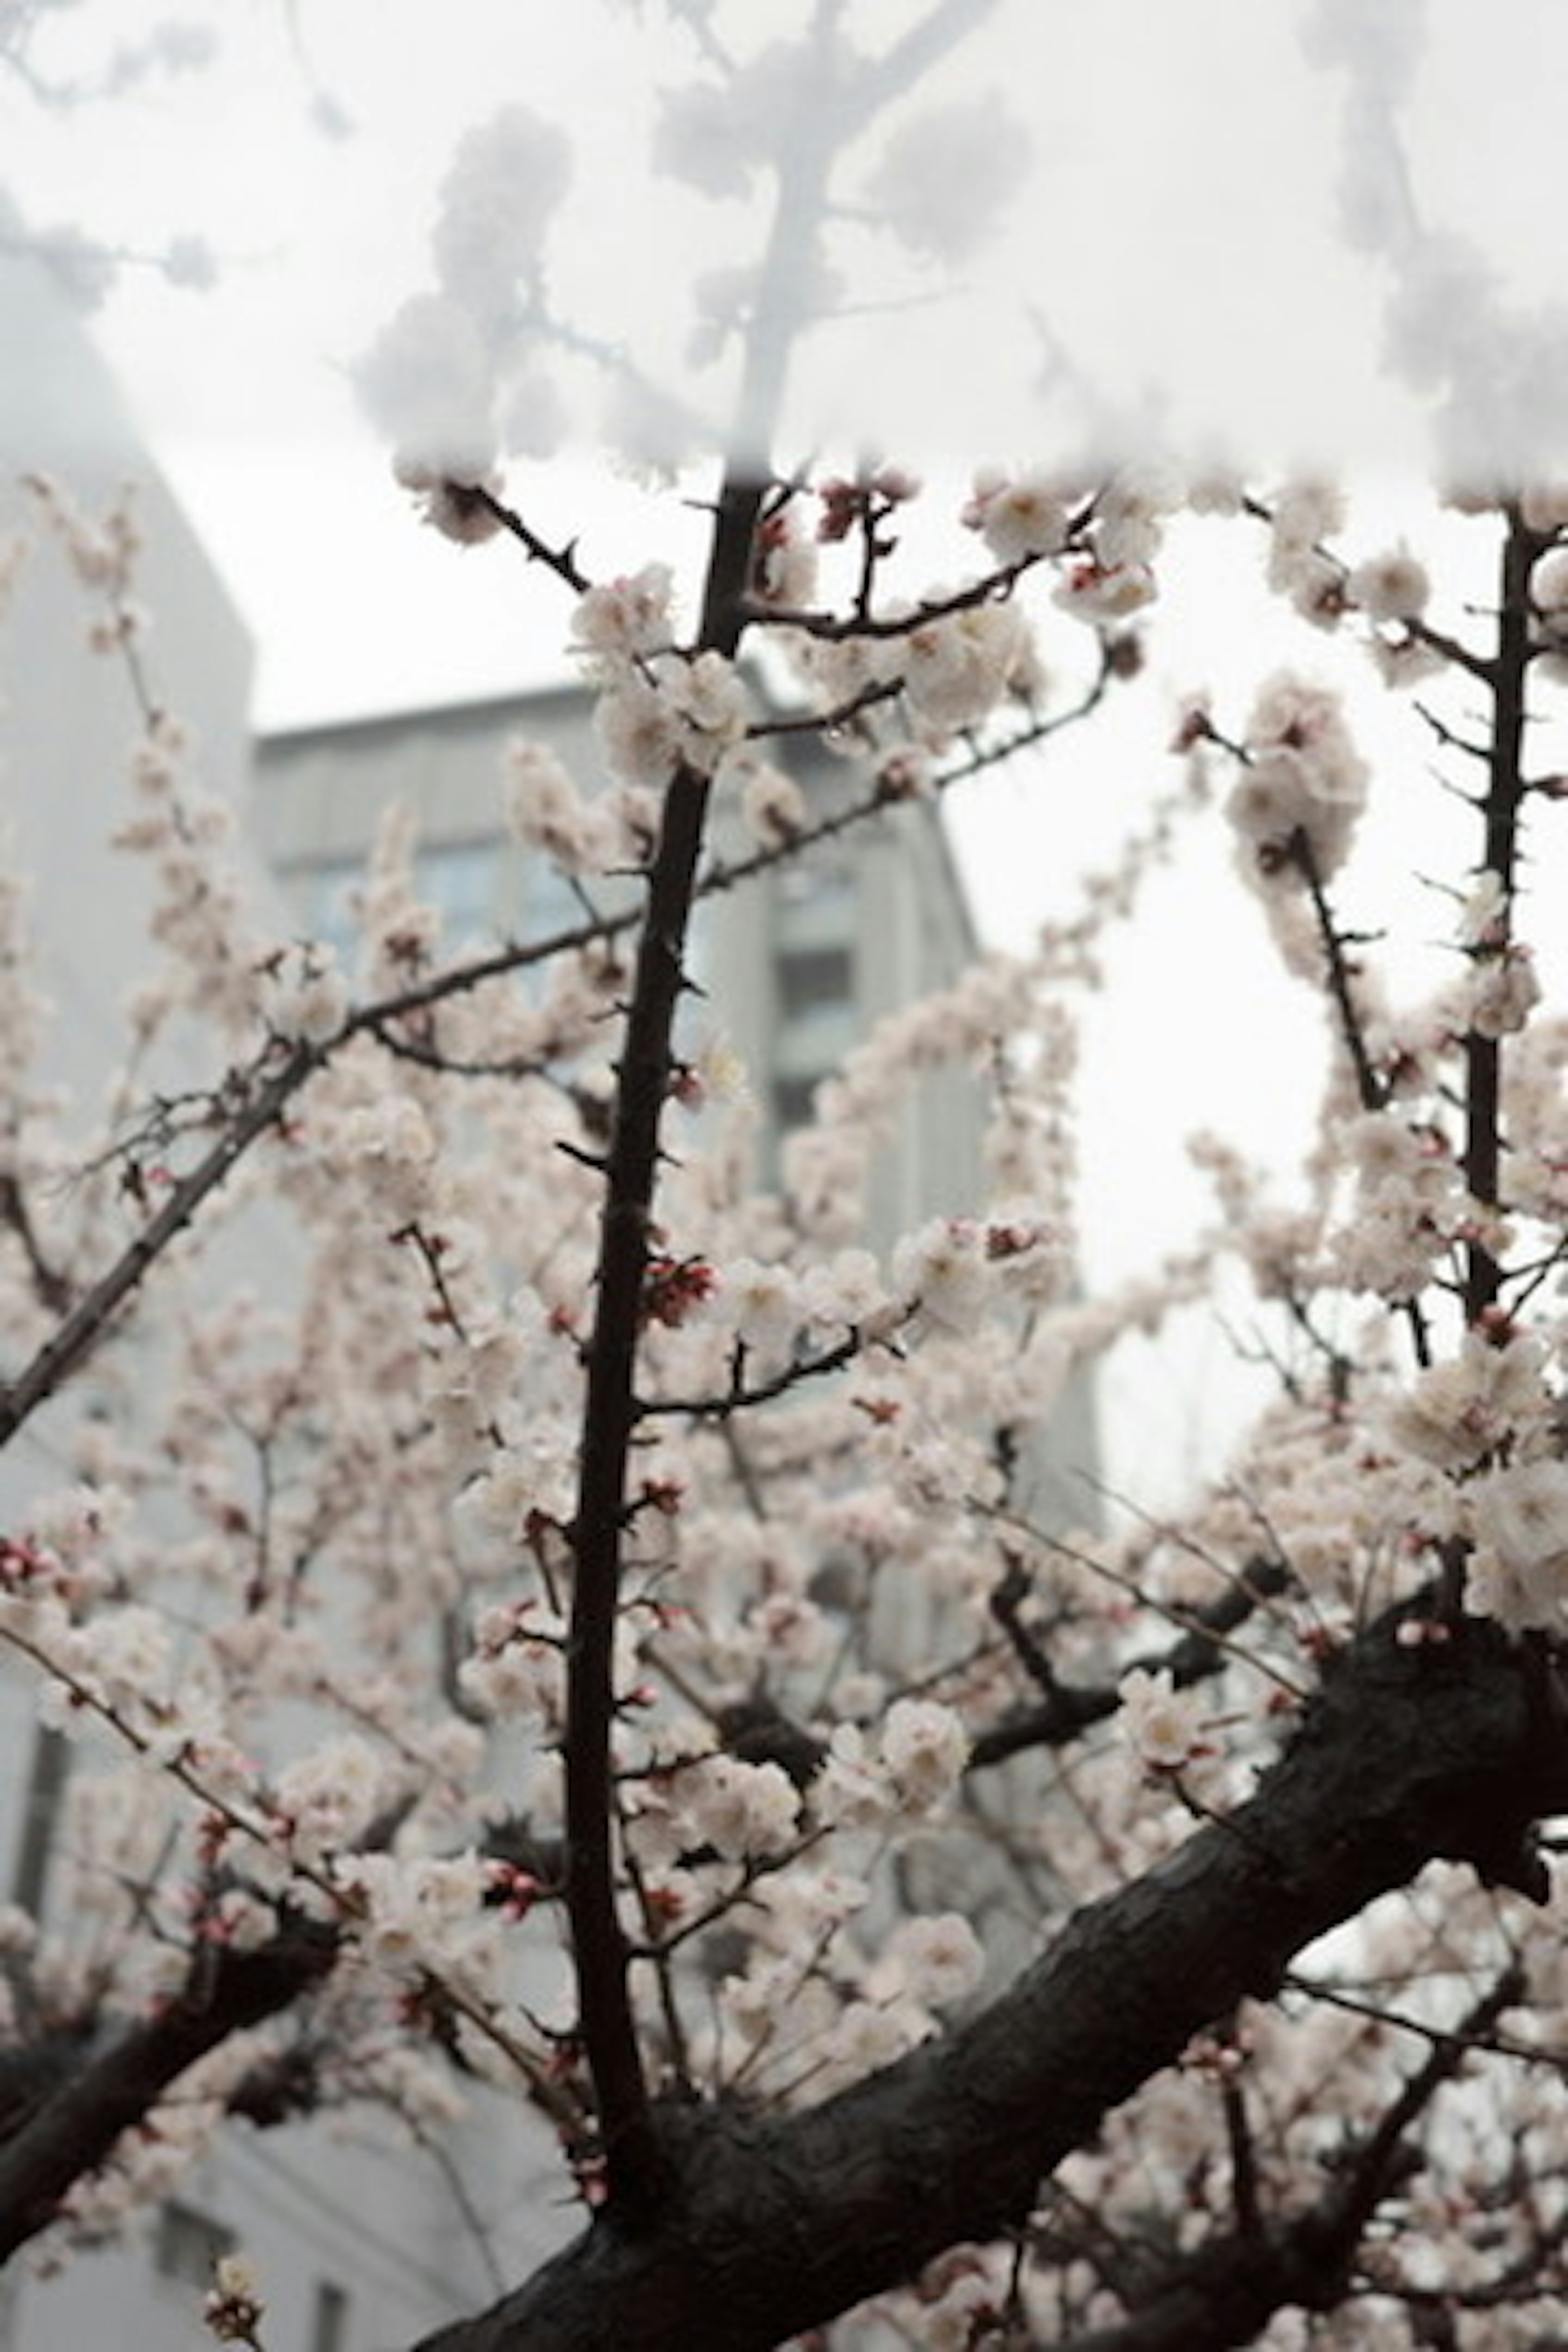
{"x": 773, "y": 2223}
{"x": 73, "y": 2129}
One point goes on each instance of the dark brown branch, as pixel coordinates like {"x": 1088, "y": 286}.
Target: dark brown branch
{"x": 837, "y": 628}
{"x": 610, "y": 1411}
{"x": 1069, "y": 1709}
{"x": 53, "y": 1290}
{"x": 772, "y": 2224}
{"x": 74, "y": 2131}
{"x": 740, "y": 1396}
{"x": 79, "y": 1331}
{"x": 1453, "y": 649}
{"x": 1243, "y": 2157}
{"x": 1504, "y": 800}
{"x": 1370, "y": 1090}
{"x": 562, "y": 560}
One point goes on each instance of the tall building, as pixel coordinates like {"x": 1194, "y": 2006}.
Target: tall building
{"x": 798, "y": 963}
{"x": 360, "y": 2245}
{"x": 361, "y": 2248}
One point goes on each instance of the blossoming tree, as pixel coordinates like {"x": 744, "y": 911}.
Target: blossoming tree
{"x": 588, "y": 1649}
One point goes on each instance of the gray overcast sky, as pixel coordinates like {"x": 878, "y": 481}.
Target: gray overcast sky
{"x": 1177, "y": 236}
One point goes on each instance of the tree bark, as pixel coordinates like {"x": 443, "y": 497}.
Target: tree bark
{"x": 768, "y": 2224}
{"x": 72, "y": 2130}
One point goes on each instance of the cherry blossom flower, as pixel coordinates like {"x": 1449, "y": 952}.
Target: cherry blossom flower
{"x": 740, "y": 1810}
{"x": 1519, "y": 1571}
{"x": 944, "y": 1270}
{"x": 463, "y": 508}
{"x": 957, "y": 667}
{"x": 622, "y": 619}
{"x": 546, "y": 810}
{"x": 771, "y": 802}
{"x": 233, "y": 2309}
{"x": 1163, "y": 1725}
{"x": 642, "y": 732}
{"x": 940, "y": 1957}
{"x": 1304, "y": 780}
{"x": 1390, "y": 587}
{"x": 1018, "y": 517}
{"x": 308, "y": 1000}
{"x": 1456, "y": 1413}
{"x": 762, "y": 1303}
{"x": 925, "y": 1748}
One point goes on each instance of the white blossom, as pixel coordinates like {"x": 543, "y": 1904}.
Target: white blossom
{"x": 1390, "y": 587}
{"x": 1519, "y": 1573}
{"x": 740, "y": 1810}
{"x": 925, "y": 1748}
{"x": 642, "y": 734}
{"x": 1304, "y": 783}
{"x": 1163, "y": 1725}
{"x": 943, "y": 1270}
{"x": 546, "y": 810}
{"x": 941, "y": 1957}
{"x": 762, "y": 1303}
{"x": 309, "y": 999}
{"x": 627, "y": 617}
{"x": 957, "y": 667}
{"x": 1018, "y": 516}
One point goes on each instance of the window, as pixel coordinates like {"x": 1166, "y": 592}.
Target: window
{"x": 330, "y": 2327}
{"x": 793, "y": 1101}
{"x": 810, "y": 979}
{"x": 549, "y": 903}
{"x": 818, "y": 888}
{"x": 322, "y": 899}
{"x": 458, "y": 878}
{"x": 189, "y": 2245}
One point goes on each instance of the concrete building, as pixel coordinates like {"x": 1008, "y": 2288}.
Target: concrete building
{"x": 362, "y": 2249}
{"x": 798, "y": 963}
{"x": 361, "y": 2246}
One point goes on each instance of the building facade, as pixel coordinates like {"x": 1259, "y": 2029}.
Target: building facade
{"x": 362, "y": 2245}
{"x": 798, "y": 963}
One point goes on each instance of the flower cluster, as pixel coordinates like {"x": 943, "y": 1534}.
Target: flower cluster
{"x": 309, "y": 1592}
{"x": 1304, "y": 785}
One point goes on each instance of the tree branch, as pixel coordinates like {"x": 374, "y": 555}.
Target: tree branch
{"x": 774, "y": 2223}
{"x": 1227, "y": 2291}
{"x": 1067, "y": 1710}
{"x": 74, "y": 2130}
{"x": 610, "y": 1413}
{"x": 1504, "y": 801}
